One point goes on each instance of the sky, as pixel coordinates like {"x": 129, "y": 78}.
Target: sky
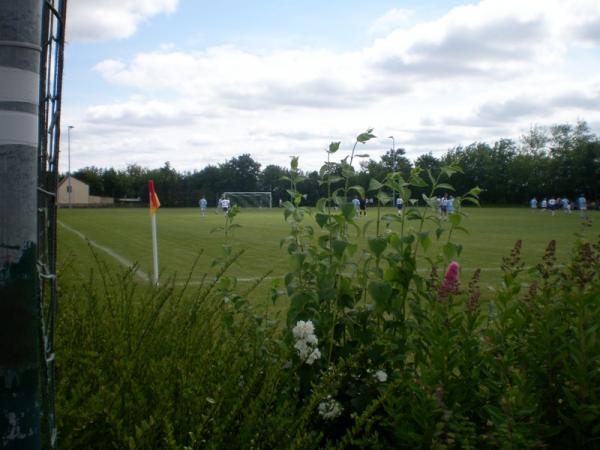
{"x": 197, "y": 82}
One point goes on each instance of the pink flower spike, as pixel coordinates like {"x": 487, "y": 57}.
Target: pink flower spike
{"x": 450, "y": 283}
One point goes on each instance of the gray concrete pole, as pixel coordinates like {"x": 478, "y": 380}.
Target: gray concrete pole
{"x": 20, "y": 315}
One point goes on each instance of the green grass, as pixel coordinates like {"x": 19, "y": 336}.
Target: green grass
{"x": 183, "y": 235}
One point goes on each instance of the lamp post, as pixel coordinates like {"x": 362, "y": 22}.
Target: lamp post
{"x": 69, "y": 187}
{"x": 393, "y": 167}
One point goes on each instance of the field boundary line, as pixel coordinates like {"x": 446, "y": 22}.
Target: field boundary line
{"x": 109, "y": 251}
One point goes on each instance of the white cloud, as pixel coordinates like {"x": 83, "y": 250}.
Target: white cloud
{"x": 392, "y": 19}
{"x": 98, "y": 20}
{"x": 479, "y": 72}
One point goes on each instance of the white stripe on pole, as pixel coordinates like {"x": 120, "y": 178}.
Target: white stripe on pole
{"x": 19, "y": 85}
{"x": 155, "y": 249}
{"x": 18, "y": 128}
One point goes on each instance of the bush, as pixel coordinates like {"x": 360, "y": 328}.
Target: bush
{"x": 375, "y": 353}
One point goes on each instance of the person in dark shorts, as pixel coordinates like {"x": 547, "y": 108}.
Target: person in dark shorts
{"x": 363, "y": 206}
{"x": 399, "y": 204}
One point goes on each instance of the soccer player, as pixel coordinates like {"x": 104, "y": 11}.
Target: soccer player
{"x": 202, "y": 203}
{"x": 444, "y": 206}
{"x": 224, "y": 204}
{"x": 399, "y": 205}
{"x": 450, "y": 205}
{"x": 552, "y": 205}
{"x": 582, "y": 206}
{"x": 356, "y": 203}
{"x": 533, "y": 204}
{"x": 544, "y": 204}
{"x": 363, "y": 206}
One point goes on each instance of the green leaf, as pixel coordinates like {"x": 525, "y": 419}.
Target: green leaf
{"x": 294, "y": 163}
{"x": 463, "y": 229}
{"x": 334, "y": 147}
{"x": 446, "y": 186}
{"x": 450, "y": 251}
{"x": 374, "y": 185}
{"x": 381, "y": 292}
{"x": 417, "y": 181}
{"x": 348, "y": 211}
{"x": 438, "y": 233}
{"x": 333, "y": 179}
{"x": 451, "y": 170}
{"x": 475, "y": 191}
{"x": 455, "y": 219}
{"x": 359, "y": 189}
{"x": 364, "y": 137}
{"x": 425, "y": 240}
{"x": 383, "y": 198}
{"x": 338, "y": 247}
{"x": 378, "y": 245}
{"x": 470, "y": 200}
{"x": 348, "y": 170}
{"x": 284, "y": 178}
{"x": 321, "y": 219}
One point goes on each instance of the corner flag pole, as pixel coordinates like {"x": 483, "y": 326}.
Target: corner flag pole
{"x": 154, "y": 205}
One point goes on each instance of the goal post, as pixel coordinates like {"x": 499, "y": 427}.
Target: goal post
{"x": 250, "y": 199}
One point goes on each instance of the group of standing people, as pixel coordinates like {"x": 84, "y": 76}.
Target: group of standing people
{"x": 223, "y": 205}
{"x": 560, "y": 203}
{"x": 360, "y": 205}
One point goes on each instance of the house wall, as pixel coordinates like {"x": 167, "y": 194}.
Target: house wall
{"x": 80, "y": 192}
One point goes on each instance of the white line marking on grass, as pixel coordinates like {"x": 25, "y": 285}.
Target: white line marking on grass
{"x": 110, "y": 252}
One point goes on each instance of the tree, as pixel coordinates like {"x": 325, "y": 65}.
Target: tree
{"x": 270, "y": 180}
{"x": 93, "y": 177}
{"x": 241, "y": 173}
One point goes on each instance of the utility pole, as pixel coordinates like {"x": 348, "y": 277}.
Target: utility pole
{"x": 20, "y": 311}
{"x": 393, "y": 168}
{"x": 69, "y": 187}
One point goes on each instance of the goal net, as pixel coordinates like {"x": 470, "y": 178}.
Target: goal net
{"x": 250, "y": 199}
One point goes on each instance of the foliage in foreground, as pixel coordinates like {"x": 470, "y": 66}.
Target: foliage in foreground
{"x": 375, "y": 353}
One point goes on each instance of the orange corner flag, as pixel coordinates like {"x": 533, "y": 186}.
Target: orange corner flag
{"x": 154, "y": 202}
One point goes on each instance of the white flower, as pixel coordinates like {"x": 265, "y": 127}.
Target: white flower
{"x": 303, "y": 349}
{"x": 303, "y": 329}
{"x": 316, "y": 354}
{"x": 306, "y": 341}
{"x": 330, "y": 409}
{"x": 381, "y": 376}
{"x": 312, "y": 339}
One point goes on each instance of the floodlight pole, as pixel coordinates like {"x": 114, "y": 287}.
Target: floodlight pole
{"x": 69, "y": 187}
{"x": 393, "y": 167}
{"x": 20, "y": 311}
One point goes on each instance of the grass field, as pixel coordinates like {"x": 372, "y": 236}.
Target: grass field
{"x": 125, "y": 237}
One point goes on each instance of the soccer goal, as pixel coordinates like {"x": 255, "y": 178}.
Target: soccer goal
{"x": 250, "y": 199}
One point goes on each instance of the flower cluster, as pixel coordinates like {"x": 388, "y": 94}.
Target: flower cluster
{"x": 450, "y": 284}
{"x": 306, "y": 341}
{"x": 330, "y": 409}
{"x": 381, "y": 376}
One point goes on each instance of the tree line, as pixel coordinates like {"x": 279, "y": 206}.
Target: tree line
{"x": 561, "y": 160}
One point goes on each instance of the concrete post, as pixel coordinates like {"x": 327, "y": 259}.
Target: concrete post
{"x": 20, "y": 315}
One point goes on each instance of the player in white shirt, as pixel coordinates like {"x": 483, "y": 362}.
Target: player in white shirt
{"x": 533, "y": 204}
{"x": 356, "y": 203}
{"x": 224, "y": 204}
{"x": 582, "y": 206}
{"x": 399, "y": 204}
{"x": 552, "y": 205}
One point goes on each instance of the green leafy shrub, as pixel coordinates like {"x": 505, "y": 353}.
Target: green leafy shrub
{"x": 385, "y": 345}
